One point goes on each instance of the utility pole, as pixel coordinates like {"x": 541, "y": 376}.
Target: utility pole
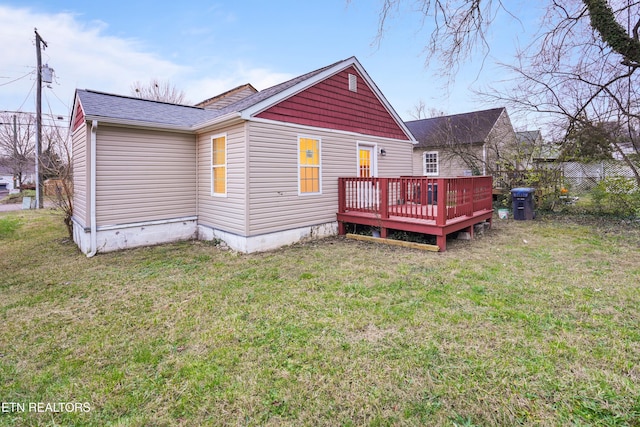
{"x": 39, "y": 184}
{"x": 15, "y": 150}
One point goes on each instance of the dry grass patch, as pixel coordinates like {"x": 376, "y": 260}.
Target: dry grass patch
{"x": 534, "y": 323}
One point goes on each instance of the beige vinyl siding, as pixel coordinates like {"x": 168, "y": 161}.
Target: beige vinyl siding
{"x": 144, "y": 175}
{"x": 79, "y": 141}
{"x": 274, "y": 203}
{"x": 223, "y": 213}
{"x": 448, "y": 165}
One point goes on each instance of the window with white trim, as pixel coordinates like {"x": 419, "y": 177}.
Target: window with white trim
{"x": 309, "y": 172}
{"x": 219, "y": 165}
{"x": 430, "y": 163}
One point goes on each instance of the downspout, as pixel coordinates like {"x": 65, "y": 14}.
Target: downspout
{"x": 92, "y": 186}
{"x": 484, "y": 159}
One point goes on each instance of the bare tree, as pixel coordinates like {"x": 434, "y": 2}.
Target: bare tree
{"x": 17, "y": 134}
{"x": 421, "y": 111}
{"x": 581, "y": 69}
{"x": 56, "y": 165}
{"x": 157, "y": 90}
{"x": 588, "y": 89}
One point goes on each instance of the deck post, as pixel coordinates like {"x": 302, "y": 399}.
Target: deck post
{"x": 342, "y": 200}
{"x": 441, "y": 218}
{"x": 384, "y": 198}
{"x": 341, "y": 195}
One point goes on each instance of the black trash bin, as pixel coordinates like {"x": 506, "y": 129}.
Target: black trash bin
{"x": 416, "y": 194}
{"x": 432, "y": 194}
{"x": 523, "y": 203}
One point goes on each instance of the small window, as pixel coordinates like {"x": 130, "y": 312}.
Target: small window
{"x": 219, "y": 165}
{"x": 309, "y": 165}
{"x": 430, "y": 163}
{"x": 353, "y": 83}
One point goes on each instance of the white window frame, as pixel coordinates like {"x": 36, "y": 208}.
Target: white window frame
{"x": 300, "y": 166}
{"x": 225, "y": 165}
{"x": 424, "y": 163}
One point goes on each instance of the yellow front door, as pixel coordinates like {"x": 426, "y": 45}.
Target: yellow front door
{"x": 364, "y": 162}
{"x": 367, "y": 190}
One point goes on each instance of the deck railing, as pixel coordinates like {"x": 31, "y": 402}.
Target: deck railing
{"x": 439, "y": 199}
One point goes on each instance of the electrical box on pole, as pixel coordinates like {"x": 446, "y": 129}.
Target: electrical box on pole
{"x": 47, "y": 74}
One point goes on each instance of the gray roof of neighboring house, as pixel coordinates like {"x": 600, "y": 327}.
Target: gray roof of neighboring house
{"x": 466, "y": 128}
{"x": 110, "y": 106}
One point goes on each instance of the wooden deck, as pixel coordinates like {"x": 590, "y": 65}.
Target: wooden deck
{"x": 434, "y": 206}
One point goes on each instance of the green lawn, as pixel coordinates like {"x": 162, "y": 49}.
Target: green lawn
{"x": 534, "y": 323}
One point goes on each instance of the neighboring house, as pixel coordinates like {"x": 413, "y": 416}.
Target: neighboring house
{"x": 257, "y": 170}
{"x": 530, "y": 147}
{"x": 9, "y": 181}
{"x": 462, "y": 144}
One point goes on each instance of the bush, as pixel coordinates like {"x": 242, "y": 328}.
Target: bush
{"x": 617, "y": 196}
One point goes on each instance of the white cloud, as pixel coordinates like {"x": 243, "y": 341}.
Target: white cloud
{"x": 80, "y": 53}
{"x": 238, "y": 74}
{"x": 85, "y": 56}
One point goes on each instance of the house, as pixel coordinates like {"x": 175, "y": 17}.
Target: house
{"x": 530, "y": 147}
{"x": 462, "y": 144}
{"x": 256, "y": 169}
{"x": 9, "y": 180}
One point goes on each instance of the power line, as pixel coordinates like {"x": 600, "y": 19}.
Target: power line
{"x": 57, "y": 116}
{"x": 28, "y": 95}
{"x": 19, "y": 78}
{"x": 49, "y": 103}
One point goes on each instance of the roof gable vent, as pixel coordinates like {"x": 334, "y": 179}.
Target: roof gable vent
{"x": 353, "y": 83}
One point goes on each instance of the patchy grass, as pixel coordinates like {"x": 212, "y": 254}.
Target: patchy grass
{"x": 8, "y": 226}
{"x": 535, "y": 323}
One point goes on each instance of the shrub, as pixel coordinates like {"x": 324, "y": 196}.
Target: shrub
{"x": 617, "y": 196}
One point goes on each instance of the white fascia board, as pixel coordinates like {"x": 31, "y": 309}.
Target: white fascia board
{"x": 311, "y": 129}
{"x": 138, "y": 124}
{"x": 231, "y": 118}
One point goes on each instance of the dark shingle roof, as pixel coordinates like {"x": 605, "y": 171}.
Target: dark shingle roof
{"x": 110, "y": 106}
{"x": 105, "y": 105}
{"x": 466, "y": 128}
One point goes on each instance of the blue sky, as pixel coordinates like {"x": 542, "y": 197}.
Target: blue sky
{"x": 206, "y": 48}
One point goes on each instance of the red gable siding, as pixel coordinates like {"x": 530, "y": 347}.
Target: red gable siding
{"x": 330, "y": 104}
{"x": 79, "y": 117}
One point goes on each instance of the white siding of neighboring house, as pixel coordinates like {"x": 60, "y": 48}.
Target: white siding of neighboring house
{"x": 144, "y": 175}
{"x": 80, "y": 152}
{"x": 274, "y": 203}
{"x": 223, "y": 213}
